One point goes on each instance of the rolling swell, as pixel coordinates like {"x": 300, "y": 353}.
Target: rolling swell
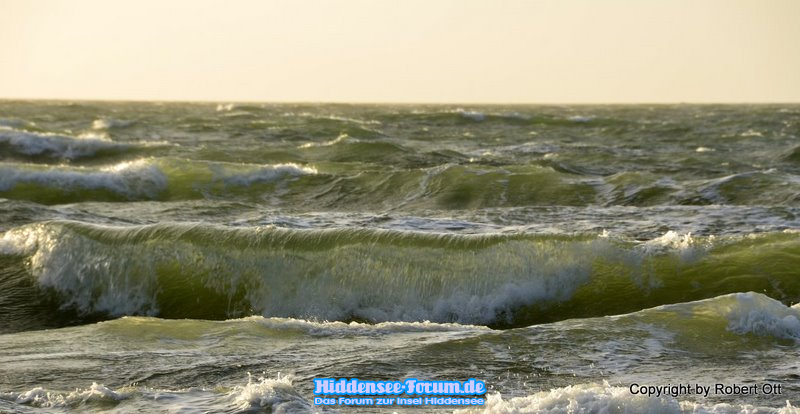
{"x": 341, "y": 186}
{"x": 47, "y": 147}
{"x": 500, "y": 280}
{"x": 142, "y": 179}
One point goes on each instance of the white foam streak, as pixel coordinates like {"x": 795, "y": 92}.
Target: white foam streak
{"x": 360, "y": 329}
{"x": 340, "y": 138}
{"x": 266, "y": 173}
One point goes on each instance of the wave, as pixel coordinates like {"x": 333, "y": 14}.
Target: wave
{"x": 792, "y": 155}
{"x": 32, "y": 144}
{"x": 308, "y": 126}
{"x": 356, "y": 176}
{"x": 511, "y": 116}
{"x": 259, "y": 393}
{"x": 104, "y": 124}
{"x": 768, "y": 187}
{"x": 96, "y": 394}
{"x": 340, "y": 138}
{"x": 500, "y": 280}
{"x": 261, "y": 326}
{"x": 593, "y": 397}
{"x": 280, "y": 395}
{"x": 448, "y": 186}
{"x": 127, "y": 180}
{"x": 269, "y": 394}
{"x": 737, "y": 313}
{"x": 143, "y": 179}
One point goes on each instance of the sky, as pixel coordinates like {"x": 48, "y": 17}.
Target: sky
{"x": 425, "y": 51}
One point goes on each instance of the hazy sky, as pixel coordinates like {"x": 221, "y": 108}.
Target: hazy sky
{"x": 536, "y": 51}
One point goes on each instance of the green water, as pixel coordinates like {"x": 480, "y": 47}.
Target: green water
{"x": 218, "y": 258}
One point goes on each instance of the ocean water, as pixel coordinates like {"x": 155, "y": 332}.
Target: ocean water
{"x": 172, "y": 257}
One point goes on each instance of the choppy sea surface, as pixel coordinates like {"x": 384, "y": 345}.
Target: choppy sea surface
{"x": 173, "y": 257}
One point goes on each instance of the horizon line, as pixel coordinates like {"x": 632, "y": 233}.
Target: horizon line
{"x": 432, "y": 103}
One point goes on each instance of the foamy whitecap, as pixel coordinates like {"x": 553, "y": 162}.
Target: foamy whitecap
{"x": 670, "y": 240}
{"x": 266, "y": 173}
{"x": 19, "y": 241}
{"x": 760, "y": 315}
{"x": 340, "y": 138}
{"x": 57, "y": 146}
{"x": 751, "y": 133}
{"x": 605, "y": 398}
{"x": 110, "y": 123}
{"x": 356, "y": 280}
{"x": 54, "y": 268}
{"x": 336, "y": 328}
{"x": 132, "y": 179}
{"x": 471, "y": 115}
{"x": 272, "y": 394}
{"x": 39, "y": 397}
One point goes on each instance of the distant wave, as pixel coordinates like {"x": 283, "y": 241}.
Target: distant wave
{"x": 57, "y": 146}
{"x": 128, "y": 180}
{"x": 456, "y": 184}
{"x": 110, "y": 123}
{"x": 142, "y": 179}
{"x": 43, "y": 146}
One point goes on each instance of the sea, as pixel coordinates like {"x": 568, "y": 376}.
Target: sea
{"x": 220, "y": 257}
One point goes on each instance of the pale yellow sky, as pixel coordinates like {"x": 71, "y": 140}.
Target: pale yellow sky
{"x": 470, "y": 51}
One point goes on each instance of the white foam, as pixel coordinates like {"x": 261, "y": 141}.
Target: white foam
{"x": 265, "y": 173}
{"x": 361, "y": 122}
{"x": 704, "y": 149}
{"x": 472, "y": 115}
{"x": 760, "y": 315}
{"x": 456, "y": 289}
{"x": 673, "y": 240}
{"x": 133, "y": 179}
{"x": 604, "y": 398}
{"x": 19, "y": 241}
{"x": 581, "y": 118}
{"x": 361, "y": 329}
{"x": 670, "y": 241}
{"x": 349, "y": 282}
{"x": 273, "y": 394}
{"x": 109, "y": 123}
{"x": 340, "y": 138}
{"x": 88, "y": 278}
{"x": 58, "y": 146}
{"x": 751, "y": 133}
{"x": 39, "y": 397}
